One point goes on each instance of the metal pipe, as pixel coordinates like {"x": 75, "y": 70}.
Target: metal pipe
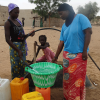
{"x": 93, "y": 61}
{"x": 60, "y": 31}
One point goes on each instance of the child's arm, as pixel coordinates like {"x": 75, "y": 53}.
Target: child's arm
{"x": 38, "y": 49}
{"x": 7, "y": 37}
{"x": 43, "y": 47}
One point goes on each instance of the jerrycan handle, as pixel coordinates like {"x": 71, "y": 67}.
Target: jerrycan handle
{"x": 1, "y": 81}
{"x": 39, "y": 94}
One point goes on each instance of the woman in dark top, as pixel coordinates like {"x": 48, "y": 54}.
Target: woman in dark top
{"x": 14, "y": 35}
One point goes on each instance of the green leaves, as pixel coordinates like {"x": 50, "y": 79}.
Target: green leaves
{"x": 47, "y": 7}
{"x": 90, "y": 10}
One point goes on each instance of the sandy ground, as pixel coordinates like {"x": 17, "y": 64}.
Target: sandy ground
{"x": 92, "y": 93}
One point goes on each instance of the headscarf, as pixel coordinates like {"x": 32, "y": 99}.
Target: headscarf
{"x": 64, "y": 7}
{"x": 12, "y": 6}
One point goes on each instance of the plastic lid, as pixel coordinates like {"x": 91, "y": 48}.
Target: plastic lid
{"x": 22, "y": 78}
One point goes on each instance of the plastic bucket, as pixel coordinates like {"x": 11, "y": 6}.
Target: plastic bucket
{"x": 44, "y": 73}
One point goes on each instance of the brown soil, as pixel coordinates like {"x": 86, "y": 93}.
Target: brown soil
{"x": 92, "y": 93}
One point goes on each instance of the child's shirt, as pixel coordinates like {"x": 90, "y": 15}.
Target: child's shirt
{"x": 48, "y": 51}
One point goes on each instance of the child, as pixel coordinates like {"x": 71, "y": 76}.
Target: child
{"x": 14, "y": 35}
{"x": 48, "y": 53}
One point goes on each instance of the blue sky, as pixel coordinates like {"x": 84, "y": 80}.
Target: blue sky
{"x": 24, "y": 4}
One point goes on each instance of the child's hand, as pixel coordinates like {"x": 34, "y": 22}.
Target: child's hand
{"x": 32, "y": 61}
{"x": 36, "y": 43}
{"x": 32, "y": 33}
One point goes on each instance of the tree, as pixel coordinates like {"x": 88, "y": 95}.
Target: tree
{"x": 47, "y": 8}
{"x": 90, "y": 10}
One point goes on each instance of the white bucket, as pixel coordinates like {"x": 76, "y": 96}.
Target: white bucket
{"x": 5, "y": 92}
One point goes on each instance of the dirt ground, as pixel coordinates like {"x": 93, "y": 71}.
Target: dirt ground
{"x": 92, "y": 93}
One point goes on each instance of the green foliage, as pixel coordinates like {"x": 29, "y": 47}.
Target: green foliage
{"x": 47, "y": 8}
{"x": 95, "y": 20}
{"x": 97, "y": 17}
{"x": 90, "y": 10}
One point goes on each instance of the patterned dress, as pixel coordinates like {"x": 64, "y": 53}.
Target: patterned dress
{"x": 17, "y": 65}
{"x": 74, "y": 68}
{"x": 74, "y": 74}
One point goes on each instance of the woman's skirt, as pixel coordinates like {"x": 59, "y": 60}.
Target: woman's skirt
{"x": 17, "y": 65}
{"x": 74, "y": 75}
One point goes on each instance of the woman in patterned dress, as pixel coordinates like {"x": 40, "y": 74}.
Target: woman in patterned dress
{"x": 14, "y": 35}
{"x": 75, "y": 38}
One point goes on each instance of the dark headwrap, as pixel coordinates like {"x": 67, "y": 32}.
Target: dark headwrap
{"x": 64, "y": 7}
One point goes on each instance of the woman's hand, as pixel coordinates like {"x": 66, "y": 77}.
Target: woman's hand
{"x": 20, "y": 54}
{"x": 60, "y": 47}
{"x": 84, "y": 55}
{"x": 32, "y": 33}
{"x": 54, "y": 60}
